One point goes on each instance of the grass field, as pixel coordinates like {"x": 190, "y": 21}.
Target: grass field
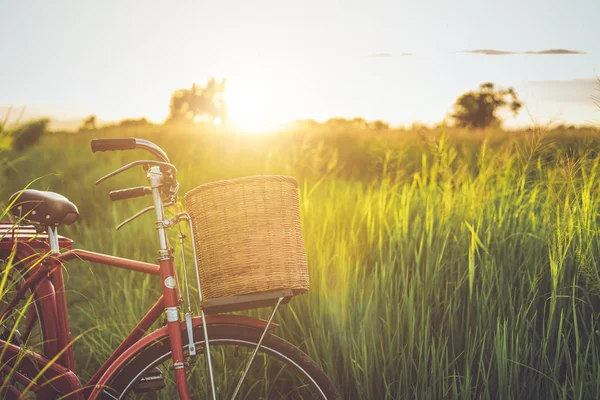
{"x": 444, "y": 264}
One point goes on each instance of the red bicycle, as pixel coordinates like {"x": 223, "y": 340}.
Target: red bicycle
{"x": 213, "y": 355}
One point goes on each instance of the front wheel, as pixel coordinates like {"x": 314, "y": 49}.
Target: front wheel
{"x": 279, "y": 371}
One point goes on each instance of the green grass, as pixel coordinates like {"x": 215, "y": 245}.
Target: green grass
{"x": 443, "y": 265}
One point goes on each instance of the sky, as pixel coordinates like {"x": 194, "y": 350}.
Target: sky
{"x": 398, "y": 61}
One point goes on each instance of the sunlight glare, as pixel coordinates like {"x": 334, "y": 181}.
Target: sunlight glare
{"x": 256, "y": 106}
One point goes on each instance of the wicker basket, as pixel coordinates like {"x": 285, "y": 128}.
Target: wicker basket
{"x": 248, "y": 241}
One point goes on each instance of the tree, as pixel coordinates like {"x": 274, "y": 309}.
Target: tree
{"x": 477, "y": 109}
{"x": 199, "y": 104}
{"x": 89, "y": 123}
{"x": 380, "y": 125}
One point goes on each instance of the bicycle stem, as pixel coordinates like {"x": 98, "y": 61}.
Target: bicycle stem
{"x": 155, "y": 178}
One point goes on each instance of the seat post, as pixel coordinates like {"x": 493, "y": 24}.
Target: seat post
{"x": 53, "y": 238}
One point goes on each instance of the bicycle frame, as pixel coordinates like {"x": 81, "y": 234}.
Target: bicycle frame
{"x": 46, "y": 278}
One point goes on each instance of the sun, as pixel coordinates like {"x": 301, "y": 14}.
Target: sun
{"x": 255, "y": 107}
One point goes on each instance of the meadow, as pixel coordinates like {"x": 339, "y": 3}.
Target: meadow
{"x": 444, "y": 263}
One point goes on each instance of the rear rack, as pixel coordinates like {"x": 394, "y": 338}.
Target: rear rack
{"x": 11, "y": 233}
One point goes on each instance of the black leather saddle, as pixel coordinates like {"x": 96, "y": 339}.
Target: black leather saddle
{"x": 46, "y": 208}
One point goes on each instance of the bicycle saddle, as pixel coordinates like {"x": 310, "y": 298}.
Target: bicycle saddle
{"x": 46, "y": 208}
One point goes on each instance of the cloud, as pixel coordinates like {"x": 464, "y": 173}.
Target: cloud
{"x": 555, "y": 51}
{"x": 493, "y": 52}
{"x": 580, "y": 91}
{"x": 386, "y": 55}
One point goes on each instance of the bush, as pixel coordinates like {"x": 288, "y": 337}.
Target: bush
{"x": 29, "y": 134}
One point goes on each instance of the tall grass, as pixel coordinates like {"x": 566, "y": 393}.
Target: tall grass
{"x": 442, "y": 265}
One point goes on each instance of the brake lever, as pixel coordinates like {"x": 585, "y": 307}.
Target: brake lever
{"x": 135, "y": 164}
{"x": 138, "y": 214}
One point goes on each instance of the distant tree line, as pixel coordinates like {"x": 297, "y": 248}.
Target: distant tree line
{"x": 476, "y": 109}
{"x": 90, "y": 124}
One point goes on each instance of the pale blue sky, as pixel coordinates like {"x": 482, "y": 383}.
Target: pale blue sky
{"x": 303, "y": 59}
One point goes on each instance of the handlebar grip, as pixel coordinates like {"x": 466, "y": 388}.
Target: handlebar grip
{"x": 112, "y": 144}
{"x": 130, "y": 193}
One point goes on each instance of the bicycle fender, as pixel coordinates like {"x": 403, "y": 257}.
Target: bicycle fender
{"x": 161, "y": 333}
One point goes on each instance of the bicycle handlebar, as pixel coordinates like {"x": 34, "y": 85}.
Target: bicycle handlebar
{"x": 164, "y": 174}
{"x": 113, "y": 144}
{"x": 130, "y": 193}
{"x": 128, "y": 144}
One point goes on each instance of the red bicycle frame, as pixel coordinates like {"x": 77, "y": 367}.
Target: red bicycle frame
{"x": 44, "y": 276}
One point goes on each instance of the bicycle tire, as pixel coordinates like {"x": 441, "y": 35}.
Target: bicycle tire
{"x": 122, "y": 385}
